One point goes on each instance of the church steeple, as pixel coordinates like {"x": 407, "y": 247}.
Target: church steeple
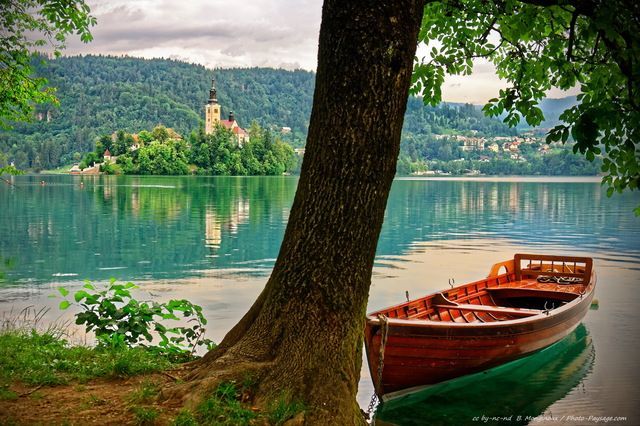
{"x": 213, "y": 96}
{"x": 212, "y": 109}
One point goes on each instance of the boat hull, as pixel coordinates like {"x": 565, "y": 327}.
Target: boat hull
{"x": 524, "y": 388}
{"x": 406, "y": 354}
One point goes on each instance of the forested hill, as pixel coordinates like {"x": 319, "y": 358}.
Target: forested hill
{"x": 133, "y": 93}
{"x": 102, "y": 94}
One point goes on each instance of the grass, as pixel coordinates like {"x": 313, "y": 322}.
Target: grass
{"x": 145, "y": 393}
{"x": 224, "y": 407}
{"x": 144, "y": 415}
{"x": 37, "y": 355}
{"x": 42, "y": 356}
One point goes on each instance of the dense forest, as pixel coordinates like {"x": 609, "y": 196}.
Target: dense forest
{"x": 102, "y": 95}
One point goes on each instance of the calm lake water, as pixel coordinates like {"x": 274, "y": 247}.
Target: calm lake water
{"x": 214, "y": 241}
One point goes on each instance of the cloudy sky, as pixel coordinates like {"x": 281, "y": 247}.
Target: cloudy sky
{"x": 234, "y": 33}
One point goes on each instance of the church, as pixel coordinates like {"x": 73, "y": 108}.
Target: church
{"x": 212, "y": 118}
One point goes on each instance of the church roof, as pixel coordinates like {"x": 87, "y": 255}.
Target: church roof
{"x": 239, "y": 131}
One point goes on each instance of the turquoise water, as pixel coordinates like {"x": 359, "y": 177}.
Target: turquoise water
{"x": 214, "y": 241}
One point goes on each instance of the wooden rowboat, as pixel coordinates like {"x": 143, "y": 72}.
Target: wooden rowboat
{"x": 524, "y": 305}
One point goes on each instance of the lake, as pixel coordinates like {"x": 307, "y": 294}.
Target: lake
{"x": 214, "y": 241}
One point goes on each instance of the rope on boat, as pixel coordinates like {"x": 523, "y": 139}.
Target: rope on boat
{"x": 559, "y": 280}
{"x": 377, "y": 383}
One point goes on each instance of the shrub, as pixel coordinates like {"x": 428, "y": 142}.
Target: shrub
{"x": 117, "y": 319}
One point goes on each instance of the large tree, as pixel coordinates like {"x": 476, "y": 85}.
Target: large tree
{"x": 303, "y": 335}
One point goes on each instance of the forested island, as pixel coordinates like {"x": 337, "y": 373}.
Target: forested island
{"x": 107, "y": 103}
{"x": 164, "y": 152}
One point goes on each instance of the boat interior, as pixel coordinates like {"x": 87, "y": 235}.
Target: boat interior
{"x": 526, "y": 286}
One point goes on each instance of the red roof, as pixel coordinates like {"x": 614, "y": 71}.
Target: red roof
{"x": 239, "y": 131}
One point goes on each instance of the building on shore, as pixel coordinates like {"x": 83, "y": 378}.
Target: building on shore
{"x": 212, "y": 118}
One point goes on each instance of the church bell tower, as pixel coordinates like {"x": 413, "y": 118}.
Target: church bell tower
{"x": 212, "y": 110}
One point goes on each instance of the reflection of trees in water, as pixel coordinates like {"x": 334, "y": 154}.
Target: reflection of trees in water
{"x": 541, "y": 212}
{"x": 142, "y": 227}
{"x": 170, "y": 227}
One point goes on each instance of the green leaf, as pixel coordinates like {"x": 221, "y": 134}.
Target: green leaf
{"x": 64, "y": 304}
{"x": 63, "y": 291}
{"x": 81, "y": 294}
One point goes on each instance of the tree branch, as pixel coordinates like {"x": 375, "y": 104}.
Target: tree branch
{"x": 572, "y": 34}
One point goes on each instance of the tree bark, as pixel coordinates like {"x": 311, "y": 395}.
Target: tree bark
{"x": 303, "y": 335}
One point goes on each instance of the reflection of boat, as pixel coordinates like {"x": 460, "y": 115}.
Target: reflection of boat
{"x": 538, "y": 300}
{"x": 514, "y": 393}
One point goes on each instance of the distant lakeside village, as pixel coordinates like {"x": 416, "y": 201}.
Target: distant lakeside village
{"x": 222, "y": 147}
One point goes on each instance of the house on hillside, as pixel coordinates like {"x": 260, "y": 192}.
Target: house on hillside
{"x": 473, "y": 144}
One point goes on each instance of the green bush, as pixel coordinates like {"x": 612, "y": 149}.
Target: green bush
{"x": 117, "y": 319}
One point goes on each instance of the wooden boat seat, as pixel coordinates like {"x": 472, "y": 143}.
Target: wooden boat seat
{"x": 515, "y": 292}
{"x": 492, "y": 309}
{"x": 440, "y": 301}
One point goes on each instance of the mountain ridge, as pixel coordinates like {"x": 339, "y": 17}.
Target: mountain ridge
{"x": 103, "y": 94}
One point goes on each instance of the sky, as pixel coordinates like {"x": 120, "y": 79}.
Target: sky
{"x": 235, "y": 34}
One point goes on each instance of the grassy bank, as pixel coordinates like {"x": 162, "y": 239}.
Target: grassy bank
{"x": 45, "y": 379}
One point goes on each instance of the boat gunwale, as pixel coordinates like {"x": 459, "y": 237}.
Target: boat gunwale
{"x": 500, "y": 282}
{"x": 426, "y": 323}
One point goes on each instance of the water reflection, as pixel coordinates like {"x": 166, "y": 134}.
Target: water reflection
{"x": 515, "y": 393}
{"x": 541, "y": 211}
{"x": 138, "y": 228}
{"x": 150, "y": 228}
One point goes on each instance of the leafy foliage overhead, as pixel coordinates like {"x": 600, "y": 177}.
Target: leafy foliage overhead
{"x": 539, "y": 44}
{"x": 50, "y": 22}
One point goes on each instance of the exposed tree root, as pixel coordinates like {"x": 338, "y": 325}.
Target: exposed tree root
{"x": 199, "y": 384}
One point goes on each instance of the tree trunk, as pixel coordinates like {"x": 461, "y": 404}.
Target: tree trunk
{"x": 303, "y": 336}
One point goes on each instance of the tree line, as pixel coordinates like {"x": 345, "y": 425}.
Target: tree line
{"x": 164, "y": 152}
{"x": 99, "y": 94}
{"x": 447, "y": 155}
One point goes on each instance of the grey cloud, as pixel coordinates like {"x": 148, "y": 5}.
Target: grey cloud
{"x": 253, "y": 32}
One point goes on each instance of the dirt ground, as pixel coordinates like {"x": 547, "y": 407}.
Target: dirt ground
{"x": 100, "y": 402}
